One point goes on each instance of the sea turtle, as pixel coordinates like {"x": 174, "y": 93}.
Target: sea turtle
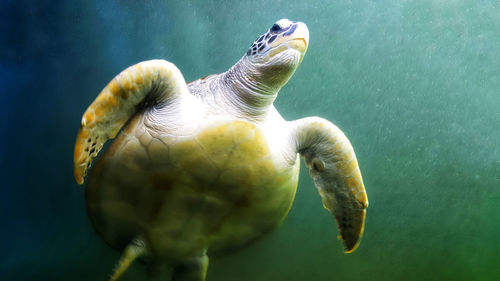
{"x": 209, "y": 166}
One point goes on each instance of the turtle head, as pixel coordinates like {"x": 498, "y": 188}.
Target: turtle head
{"x": 276, "y": 54}
{"x": 271, "y": 60}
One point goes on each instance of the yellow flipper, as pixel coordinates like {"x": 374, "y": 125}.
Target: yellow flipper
{"x": 335, "y": 171}
{"x": 149, "y": 82}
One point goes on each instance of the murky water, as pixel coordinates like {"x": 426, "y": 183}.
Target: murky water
{"x": 413, "y": 84}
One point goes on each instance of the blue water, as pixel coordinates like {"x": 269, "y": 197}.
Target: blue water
{"x": 414, "y": 84}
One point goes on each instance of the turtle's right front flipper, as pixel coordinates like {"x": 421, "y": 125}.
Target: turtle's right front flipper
{"x": 334, "y": 168}
{"x": 151, "y": 81}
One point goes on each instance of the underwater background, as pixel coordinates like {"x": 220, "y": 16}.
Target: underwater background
{"x": 414, "y": 84}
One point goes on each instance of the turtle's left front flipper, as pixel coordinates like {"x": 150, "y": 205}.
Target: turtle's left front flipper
{"x": 334, "y": 168}
{"x": 147, "y": 83}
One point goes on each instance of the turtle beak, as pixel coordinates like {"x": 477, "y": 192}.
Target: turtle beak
{"x": 297, "y": 38}
{"x": 299, "y": 44}
{"x": 300, "y": 39}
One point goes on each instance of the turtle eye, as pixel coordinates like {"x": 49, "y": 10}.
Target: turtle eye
{"x": 275, "y": 27}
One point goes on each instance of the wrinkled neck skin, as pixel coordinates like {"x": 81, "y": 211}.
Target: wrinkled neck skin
{"x": 248, "y": 90}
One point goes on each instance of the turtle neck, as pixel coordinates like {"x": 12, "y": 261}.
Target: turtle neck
{"x": 246, "y": 88}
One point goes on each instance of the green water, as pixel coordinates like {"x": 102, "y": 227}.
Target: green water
{"x": 415, "y": 85}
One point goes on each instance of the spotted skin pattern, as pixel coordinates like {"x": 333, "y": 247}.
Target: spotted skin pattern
{"x": 262, "y": 43}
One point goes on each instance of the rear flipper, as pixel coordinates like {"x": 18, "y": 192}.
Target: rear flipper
{"x": 134, "y": 250}
{"x": 192, "y": 270}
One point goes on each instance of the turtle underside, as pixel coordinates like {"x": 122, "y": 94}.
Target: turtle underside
{"x": 217, "y": 189}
